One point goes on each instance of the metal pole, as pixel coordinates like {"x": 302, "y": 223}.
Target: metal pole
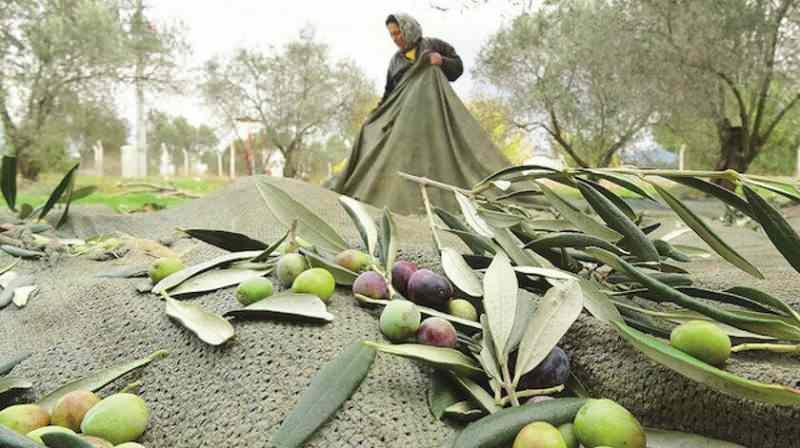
{"x": 682, "y": 158}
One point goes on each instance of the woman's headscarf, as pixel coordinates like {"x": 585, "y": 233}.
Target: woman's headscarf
{"x": 412, "y": 30}
{"x": 412, "y": 33}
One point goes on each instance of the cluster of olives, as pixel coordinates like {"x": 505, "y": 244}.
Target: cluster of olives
{"x": 292, "y": 269}
{"x": 598, "y": 424}
{"x": 115, "y": 421}
{"x": 400, "y": 320}
{"x": 293, "y": 273}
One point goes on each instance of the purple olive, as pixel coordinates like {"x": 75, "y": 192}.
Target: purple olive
{"x": 426, "y": 287}
{"x": 401, "y": 273}
{"x": 371, "y": 284}
{"x": 551, "y": 372}
{"x": 437, "y": 332}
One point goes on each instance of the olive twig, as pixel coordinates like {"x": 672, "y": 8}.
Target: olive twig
{"x": 534, "y": 393}
{"x": 777, "y": 348}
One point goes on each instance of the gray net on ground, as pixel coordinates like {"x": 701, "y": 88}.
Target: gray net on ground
{"x": 238, "y": 394}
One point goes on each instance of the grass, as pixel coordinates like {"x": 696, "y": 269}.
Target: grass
{"x": 124, "y": 200}
{"x": 111, "y": 193}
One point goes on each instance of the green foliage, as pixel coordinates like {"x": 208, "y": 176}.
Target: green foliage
{"x": 176, "y": 134}
{"x": 55, "y": 53}
{"x": 495, "y": 118}
{"x": 297, "y": 92}
{"x": 566, "y": 70}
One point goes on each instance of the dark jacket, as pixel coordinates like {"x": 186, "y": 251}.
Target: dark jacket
{"x": 451, "y": 63}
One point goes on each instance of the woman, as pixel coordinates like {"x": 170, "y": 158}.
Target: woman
{"x": 406, "y": 33}
{"x": 420, "y": 127}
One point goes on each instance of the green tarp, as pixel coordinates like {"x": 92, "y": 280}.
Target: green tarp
{"x": 423, "y": 129}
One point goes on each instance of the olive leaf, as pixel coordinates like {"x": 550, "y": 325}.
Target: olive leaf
{"x": 214, "y": 280}
{"x": 616, "y": 200}
{"x": 477, "y": 393}
{"x": 126, "y": 272}
{"x": 515, "y": 169}
{"x": 580, "y": 220}
{"x": 778, "y": 188}
{"x": 334, "y": 384}
{"x": 23, "y": 294}
{"x": 67, "y": 200}
{"x": 7, "y": 365}
{"x": 765, "y": 299}
{"x": 291, "y": 305}
{"x": 21, "y": 253}
{"x": 442, "y": 394}
{"x": 459, "y": 272}
{"x": 523, "y": 315}
{"x": 439, "y": 357}
{"x": 230, "y": 241}
{"x": 623, "y": 181}
{"x": 694, "y": 369}
{"x": 500, "y": 300}
{"x": 13, "y": 384}
{"x": 209, "y": 327}
{"x": 271, "y": 250}
{"x": 310, "y": 226}
{"x": 467, "y": 410}
{"x": 181, "y": 276}
{"x": 500, "y": 220}
{"x": 555, "y": 314}
{"x": 635, "y": 240}
{"x": 551, "y": 273}
{"x": 474, "y": 220}
{"x": 477, "y": 244}
{"x": 782, "y": 235}
{"x": 513, "y": 247}
{"x": 573, "y": 240}
{"x": 66, "y": 183}
{"x": 98, "y": 380}
{"x": 388, "y": 242}
{"x": 732, "y": 297}
{"x": 597, "y": 302}
{"x": 342, "y": 275}
{"x": 551, "y": 225}
{"x": 8, "y": 182}
{"x": 723, "y": 194}
{"x": 363, "y": 221}
{"x": 487, "y": 357}
{"x": 500, "y": 428}
{"x": 706, "y": 234}
{"x": 16, "y": 281}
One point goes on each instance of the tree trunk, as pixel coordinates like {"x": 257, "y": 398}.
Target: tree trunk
{"x": 734, "y": 153}
{"x": 290, "y": 166}
{"x": 27, "y": 166}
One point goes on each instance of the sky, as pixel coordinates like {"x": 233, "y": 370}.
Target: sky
{"x": 353, "y": 29}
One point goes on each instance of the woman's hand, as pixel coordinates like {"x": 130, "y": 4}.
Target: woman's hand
{"x": 435, "y": 58}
